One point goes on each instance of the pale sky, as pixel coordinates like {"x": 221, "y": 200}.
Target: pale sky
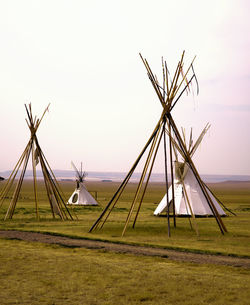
{"x": 82, "y": 57}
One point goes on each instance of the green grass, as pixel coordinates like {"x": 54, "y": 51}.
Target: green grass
{"x": 150, "y": 230}
{"x": 33, "y": 273}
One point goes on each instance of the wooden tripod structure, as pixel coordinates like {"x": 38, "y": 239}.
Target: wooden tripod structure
{"x": 33, "y": 149}
{"x": 169, "y": 94}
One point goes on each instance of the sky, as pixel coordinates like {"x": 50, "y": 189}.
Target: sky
{"x": 83, "y": 58}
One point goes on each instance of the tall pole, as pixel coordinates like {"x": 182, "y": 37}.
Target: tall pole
{"x": 166, "y": 174}
{"x": 124, "y": 182}
{"x": 197, "y": 176}
{"x": 149, "y": 157}
{"x": 149, "y": 175}
{"x": 12, "y": 205}
{"x": 172, "y": 174}
{"x": 34, "y": 180}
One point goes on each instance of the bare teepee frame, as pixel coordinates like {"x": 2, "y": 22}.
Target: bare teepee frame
{"x": 169, "y": 94}
{"x": 54, "y": 192}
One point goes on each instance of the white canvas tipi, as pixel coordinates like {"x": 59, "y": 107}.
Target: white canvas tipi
{"x": 81, "y": 196}
{"x": 188, "y": 196}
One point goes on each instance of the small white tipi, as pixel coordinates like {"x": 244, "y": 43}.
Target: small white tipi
{"x": 189, "y": 198}
{"x": 81, "y": 196}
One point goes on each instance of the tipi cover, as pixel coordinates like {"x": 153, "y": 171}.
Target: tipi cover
{"x": 196, "y": 199}
{"x": 82, "y": 197}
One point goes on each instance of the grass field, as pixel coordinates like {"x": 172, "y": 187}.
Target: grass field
{"x": 149, "y": 229}
{"x": 45, "y": 274}
{"x": 41, "y": 274}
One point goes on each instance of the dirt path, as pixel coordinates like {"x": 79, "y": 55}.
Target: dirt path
{"x": 123, "y": 248}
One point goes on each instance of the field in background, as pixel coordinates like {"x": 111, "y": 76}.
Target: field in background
{"x": 149, "y": 229}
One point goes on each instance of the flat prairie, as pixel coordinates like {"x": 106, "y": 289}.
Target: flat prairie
{"x": 57, "y": 273}
{"x": 149, "y": 229}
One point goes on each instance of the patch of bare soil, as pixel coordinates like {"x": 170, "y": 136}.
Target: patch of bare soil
{"x": 131, "y": 249}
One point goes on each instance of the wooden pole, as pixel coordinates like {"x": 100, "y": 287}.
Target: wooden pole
{"x": 34, "y": 181}
{"x": 184, "y": 77}
{"x": 50, "y": 193}
{"x": 220, "y": 202}
{"x": 177, "y": 99}
{"x": 141, "y": 181}
{"x": 190, "y": 208}
{"x": 49, "y": 186}
{"x": 152, "y": 79}
{"x": 166, "y": 175}
{"x": 11, "y": 209}
{"x": 187, "y": 209}
{"x": 149, "y": 175}
{"x": 54, "y": 182}
{"x": 12, "y": 177}
{"x": 118, "y": 194}
{"x": 53, "y": 191}
{"x": 19, "y": 185}
{"x": 190, "y": 162}
{"x": 126, "y": 179}
{"x": 164, "y": 80}
{"x": 172, "y": 175}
